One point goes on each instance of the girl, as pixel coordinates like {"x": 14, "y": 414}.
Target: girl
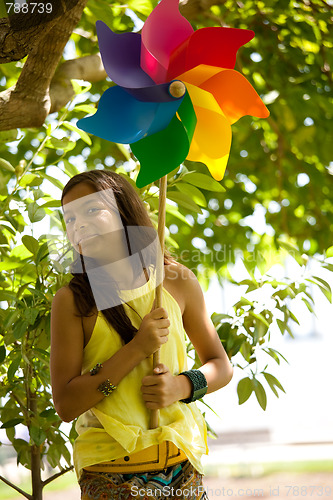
{"x": 101, "y": 358}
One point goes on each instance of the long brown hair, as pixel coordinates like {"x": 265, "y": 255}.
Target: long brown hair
{"x": 132, "y": 213}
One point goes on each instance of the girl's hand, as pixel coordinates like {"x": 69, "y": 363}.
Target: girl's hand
{"x": 153, "y": 331}
{"x": 160, "y": 389}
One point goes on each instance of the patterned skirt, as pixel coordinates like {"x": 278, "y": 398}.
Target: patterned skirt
{"x": 178, "y": 482}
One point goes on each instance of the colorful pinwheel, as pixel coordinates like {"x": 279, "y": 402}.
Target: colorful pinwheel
{"x": 176, "y": 94}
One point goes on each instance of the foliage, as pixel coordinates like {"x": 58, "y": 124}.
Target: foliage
{"x": 280, "y": 166}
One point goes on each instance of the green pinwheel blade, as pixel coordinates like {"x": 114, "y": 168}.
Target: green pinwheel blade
{"x": 164, "y": 151}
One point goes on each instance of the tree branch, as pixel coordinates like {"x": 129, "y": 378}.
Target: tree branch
{"x": 89, "y": 68}
{"x": 26, "y": 495}
{"x": 55, "y": 476}
{"x": 28, "y": 103}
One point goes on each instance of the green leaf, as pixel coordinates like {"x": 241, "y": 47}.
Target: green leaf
{"x": 51, "y": 203}
{"x": 260, "y": 394}
{"x": 35, "y": 212}
{"x": 218, "y": 317}
{"x": 84, "y": 136}
{"x": 37, "y": 435}
{"x": 70, "y": 168}
{"x": 203, "y": 181}
{"x": 144, "y": 7}
{"x": 31, "y": 315}
{"x": 2, "y": 353}
{"x": 329, "y": 252}
{"x": 87, "y": 108}
{"x": 194, "y": 193}
{"x": 8, "y": 265}
{"x": 12, "y": 423}
{"x": 259, "y": 317}
{"x": 184, "y": 200}
{"x": 273, "y": 382}
{"x": 5, "y": 165}
{"x": 42, "y": 253}
{"x": 29, "y": 180}
{"x": 8, "y": 135}
{"x": 49, "y": 415}
{"x": 288, "y": 246}
{"x": 53, "y": 180}
{"x": 243, "y": 302}
{"x": 308, "y": 305}
{"x": 326, "y": 291}
{"x": 293, "y": 317}
{"x": 13, "y": 367}
{"x": 53, "y": 455}
{"x": 244, "y": 390}
{"x": 80, "y": 86}
{"x": 20, "y": 329}
{"x": 275, "y": 354}
{"x": 171, "y": 209}
{"x": 282, "y": 325}
{"x": 30, "y": 243}
{"x": 63, "y": 144}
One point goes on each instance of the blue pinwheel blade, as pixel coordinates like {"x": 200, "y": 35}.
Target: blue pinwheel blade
{"x": 123, "y": 119}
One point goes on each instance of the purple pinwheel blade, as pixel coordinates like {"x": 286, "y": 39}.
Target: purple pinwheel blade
{"x": 121, "y": 57}
{"x": 122, "y": 118}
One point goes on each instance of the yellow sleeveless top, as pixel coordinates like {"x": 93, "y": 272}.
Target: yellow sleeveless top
{"x": 119, "y": 424}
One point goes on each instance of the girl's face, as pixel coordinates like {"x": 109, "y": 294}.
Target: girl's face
{"x": 93, "y": 227}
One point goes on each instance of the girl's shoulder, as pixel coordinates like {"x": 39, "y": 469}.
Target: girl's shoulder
{"x": 178, "y": 273}
{"x": 179, "y": 281}
{"x": 63, "y": 300}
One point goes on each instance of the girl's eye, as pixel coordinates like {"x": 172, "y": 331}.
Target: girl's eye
{"x": 69, "y": 220}
{"x": 93, "y": 209}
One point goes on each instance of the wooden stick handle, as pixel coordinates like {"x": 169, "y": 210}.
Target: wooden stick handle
{"x": 159, "y": 275}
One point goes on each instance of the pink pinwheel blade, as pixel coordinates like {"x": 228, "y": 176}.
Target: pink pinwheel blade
{"x": 164, "y": 30}
{"x": 210, "y": 46}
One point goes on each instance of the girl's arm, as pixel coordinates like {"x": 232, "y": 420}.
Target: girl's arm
{"x": 73, "y": 393}
{"x": 163, "y": 389}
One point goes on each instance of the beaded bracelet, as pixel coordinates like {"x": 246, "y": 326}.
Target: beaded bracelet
{"x": 96, "y": 369}
{"x": 199, "y": 385}
{"x": 106, "y": 387}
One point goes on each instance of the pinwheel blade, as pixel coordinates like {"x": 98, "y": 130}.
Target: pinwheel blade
{"x": 232, "y": 91}
{"x": 212, "y": 136}
{"x": 164, "y": 30}
{"x": 211, "y": 46}
{"x": 122, "y": 118}
{"x": 121, "y": 57}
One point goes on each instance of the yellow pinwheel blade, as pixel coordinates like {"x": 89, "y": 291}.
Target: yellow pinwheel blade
{"x": 212, "y": 136}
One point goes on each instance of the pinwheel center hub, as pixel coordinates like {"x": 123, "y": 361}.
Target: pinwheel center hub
{"x": 177, "y": 89}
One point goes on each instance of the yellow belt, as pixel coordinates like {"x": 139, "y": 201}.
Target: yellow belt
{"x": 156, "y": 457}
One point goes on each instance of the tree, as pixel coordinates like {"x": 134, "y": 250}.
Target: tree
{"x": 281, "y": 165}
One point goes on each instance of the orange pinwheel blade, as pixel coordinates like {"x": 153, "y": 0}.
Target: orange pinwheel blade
{"x": 234, "y": 94}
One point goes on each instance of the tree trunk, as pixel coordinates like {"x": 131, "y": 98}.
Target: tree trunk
{"x": 36, "y": 479}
